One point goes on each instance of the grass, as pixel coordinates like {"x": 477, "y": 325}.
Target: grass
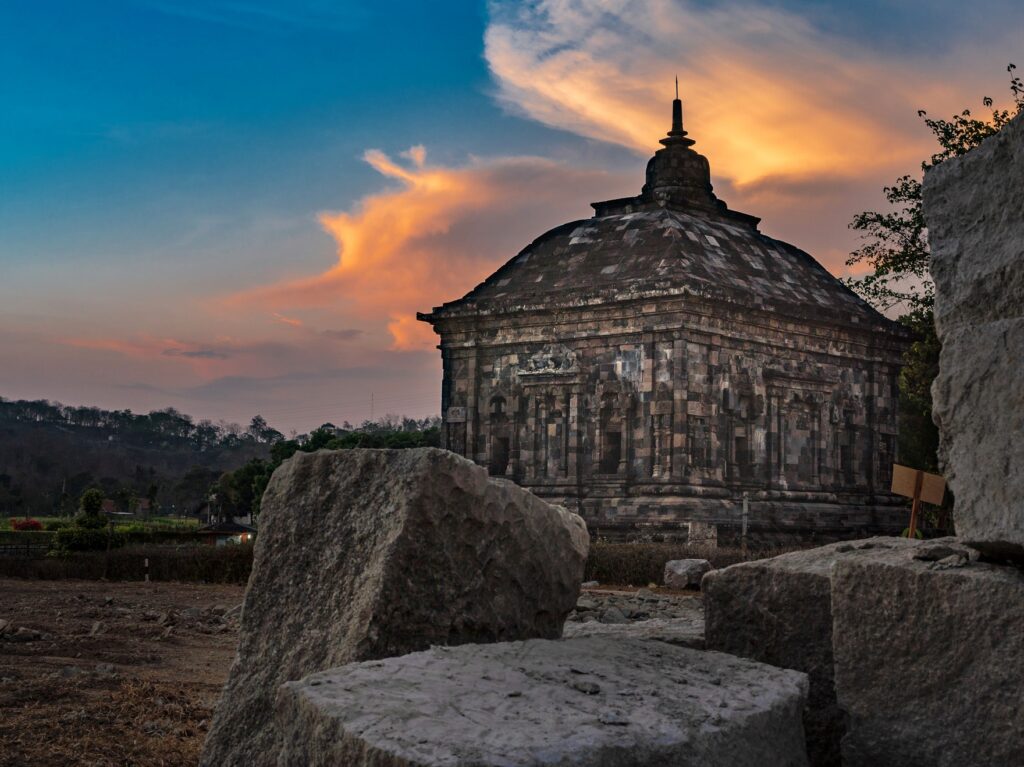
{"x": 155, "y": 524}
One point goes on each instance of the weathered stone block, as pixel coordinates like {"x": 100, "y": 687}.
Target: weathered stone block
{"x": 979, "y": 406}
{"x": 928, "y": 658}
{"x": 778, "y": 611}
{"x": 372, "y": 553}
{"x": 973, "y": 206}
{"x": 685, "y": 573}
{"x": 595, "y": 701}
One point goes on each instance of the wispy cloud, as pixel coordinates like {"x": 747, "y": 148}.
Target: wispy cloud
{"x": 765, "y": 92}
{"x": 802, "y": 125}
{"x": 432, "y": 238}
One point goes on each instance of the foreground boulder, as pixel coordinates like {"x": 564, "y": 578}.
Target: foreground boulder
{"x": 583, "y": 702}
{"x": 972, "y": 206}
{"x": 685, "y": 573}
{"x": 779, "y": 611}
{"x": 929, "y": 652}
{"x": 371, "y": 553}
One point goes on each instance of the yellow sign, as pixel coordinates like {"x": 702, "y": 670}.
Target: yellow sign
{"x": 905, "y": 480}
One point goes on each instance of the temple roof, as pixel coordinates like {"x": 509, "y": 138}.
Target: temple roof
{"x": 674, "y": 238}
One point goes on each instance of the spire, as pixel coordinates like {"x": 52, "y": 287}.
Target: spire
{"x": 677, "y": 135}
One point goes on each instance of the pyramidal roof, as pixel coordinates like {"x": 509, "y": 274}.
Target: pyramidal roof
{"x": 674, "y": 238}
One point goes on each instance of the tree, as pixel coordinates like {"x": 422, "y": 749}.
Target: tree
{"x": 151, "y": 496}
{"x": 91, "y": 502}
{"x": 896, "y": 249}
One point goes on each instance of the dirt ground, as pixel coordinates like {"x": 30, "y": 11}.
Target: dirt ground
{"x": 101, "y": 673}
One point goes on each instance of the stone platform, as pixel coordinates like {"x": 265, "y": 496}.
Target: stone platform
{"x": 592, "y": 701}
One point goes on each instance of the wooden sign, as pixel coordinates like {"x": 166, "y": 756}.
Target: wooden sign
{"x": 919, "y": 486}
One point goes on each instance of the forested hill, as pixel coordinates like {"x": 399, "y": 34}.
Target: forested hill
{"x": 49, "y": 454}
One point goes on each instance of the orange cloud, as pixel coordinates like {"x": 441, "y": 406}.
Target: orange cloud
{"x": 764, "y": 93}
{"x": 432, "y": 238}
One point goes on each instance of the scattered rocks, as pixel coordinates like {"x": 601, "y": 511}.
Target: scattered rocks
{"x": 928, "y": 661}
{"x": 584, "y": 702}
{"x": 674, "y": 619}
{"x": 613, "y": 615}
{"x": 372, "y": 553}
{"x": 24, "y": 634}
{"x": 685, "y": 573}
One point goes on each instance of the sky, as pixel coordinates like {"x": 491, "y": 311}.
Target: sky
{"x": 234, "y": 207}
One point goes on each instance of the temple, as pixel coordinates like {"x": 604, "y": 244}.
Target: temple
{"x": 661, "y": 363}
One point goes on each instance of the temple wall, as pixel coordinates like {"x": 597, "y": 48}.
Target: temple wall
{"x": 666, "y": 412}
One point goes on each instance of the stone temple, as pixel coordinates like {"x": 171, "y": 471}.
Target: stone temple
{"x": 651, "y": 366}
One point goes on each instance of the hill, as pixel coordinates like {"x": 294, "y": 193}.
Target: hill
{"x": 50, "y": 453}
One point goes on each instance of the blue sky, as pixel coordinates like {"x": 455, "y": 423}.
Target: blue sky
{"x": 177, "y": 179}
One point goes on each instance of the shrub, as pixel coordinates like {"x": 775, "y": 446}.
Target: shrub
{"x": 209, "y": 564}
{"x": 26, "y": 524}
{"x": 56, "y": 524}
{"x": 90, "y": 521}
{"x": 637, "y": 564}
{"x": 78, "y": 538}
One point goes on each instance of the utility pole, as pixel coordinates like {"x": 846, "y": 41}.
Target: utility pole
{"x": 743, "y": 529}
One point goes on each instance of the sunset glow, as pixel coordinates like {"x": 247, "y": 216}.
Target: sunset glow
{"x": 253, "y": 225}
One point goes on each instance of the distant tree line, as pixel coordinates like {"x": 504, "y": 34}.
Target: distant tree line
{"x": 51, "y": 453}
{"x": 239, "y": 492}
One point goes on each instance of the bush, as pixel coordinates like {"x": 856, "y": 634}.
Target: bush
{"x": 56, "y": 524}
{"x": 26, "y": 524}
{"x": 637, "y": 564}
{"x": 90, "y": 521}
{"x": 198, "y": 563}
{"x": 87, "y": 539}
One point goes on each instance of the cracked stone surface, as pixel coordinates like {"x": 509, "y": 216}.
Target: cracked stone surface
{"x": 779, "y": 611}
{"x": 973, "y": 206}
{"x": 373, "y": 553}
{"x": 592, "y": 701}
{"x": 929, "y": 646}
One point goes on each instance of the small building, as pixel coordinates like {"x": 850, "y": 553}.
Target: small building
{"x": 224, "y": 533}
{"x": 653, "y": 365}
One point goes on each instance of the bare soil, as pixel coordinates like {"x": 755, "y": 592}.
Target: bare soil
{"x": 103, "y": 673}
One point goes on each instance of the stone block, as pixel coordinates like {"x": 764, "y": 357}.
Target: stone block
{"x": 929, "y": 656}
{"x": 972, "y": 205}
{"x": 594, "y": 701}
{"x": 779, "y": 611}
{"x": 685, "y": 573}
{"x": 372, "y": 553}
{"x": 978, "y": 404}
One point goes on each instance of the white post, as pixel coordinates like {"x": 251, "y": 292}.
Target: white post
{"x": 746, "y": 515}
